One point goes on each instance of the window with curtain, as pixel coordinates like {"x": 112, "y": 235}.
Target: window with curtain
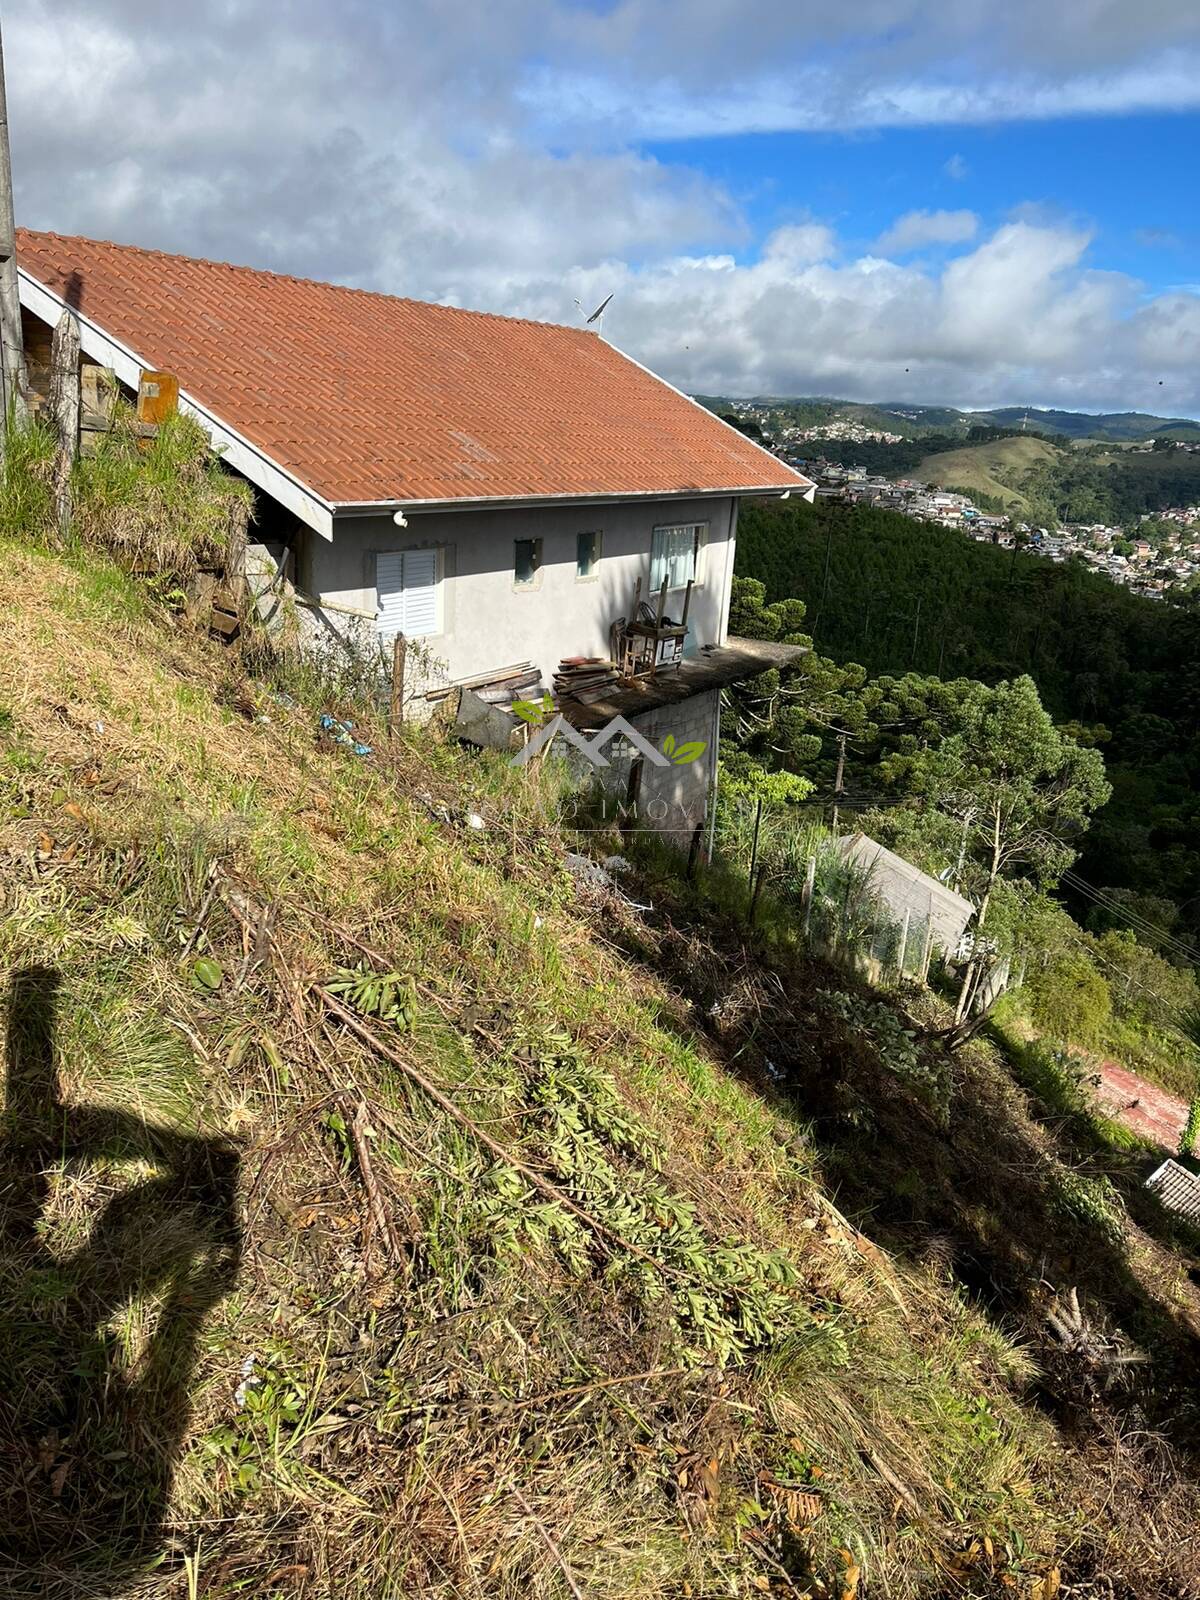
{"x": 675, "y": 555}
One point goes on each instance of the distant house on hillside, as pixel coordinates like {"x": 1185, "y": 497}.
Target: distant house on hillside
{"x": 497, "y": 489}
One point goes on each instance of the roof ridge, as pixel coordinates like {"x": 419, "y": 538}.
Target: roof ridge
{"x": 292, "y": 277}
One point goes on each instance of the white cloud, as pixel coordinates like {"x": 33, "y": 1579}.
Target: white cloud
{"x": 801, "y": 244}
{"x": 915, "y": 229}
{"x": 810, "y": 99}
{"x": 1020, "y": 318}
{"x": 395, "y": 148}
{"x": 956, "y": 168}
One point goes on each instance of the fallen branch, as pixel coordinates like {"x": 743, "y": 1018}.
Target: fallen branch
{"x": 550, "y": 1544}
{"x": 209, "y": 896}
{"x": 551, "y": 1191}
{"x": 378, "y": 1219}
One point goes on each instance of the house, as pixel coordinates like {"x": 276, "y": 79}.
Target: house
{"x": 499, "y": 490}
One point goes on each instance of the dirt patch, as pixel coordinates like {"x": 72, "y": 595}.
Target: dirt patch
{"x": 1141, "y": 1106}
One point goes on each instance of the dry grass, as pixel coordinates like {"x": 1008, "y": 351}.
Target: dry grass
{"x": 160, "y": 505}
{"x": 306, "y": 1406}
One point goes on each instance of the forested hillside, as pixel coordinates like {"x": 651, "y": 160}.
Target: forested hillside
{"x": 914, "y": 422}
{"x": 899, "y": 596}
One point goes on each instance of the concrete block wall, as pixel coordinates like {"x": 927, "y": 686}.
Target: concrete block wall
{"x": 671, "y": 800}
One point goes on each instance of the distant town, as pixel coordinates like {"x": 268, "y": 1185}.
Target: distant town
{"x": 1157, "y": 554}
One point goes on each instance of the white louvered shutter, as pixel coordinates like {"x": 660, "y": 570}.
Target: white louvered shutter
{"x": 420, "y": 593}
{"x": 406, "y": 583}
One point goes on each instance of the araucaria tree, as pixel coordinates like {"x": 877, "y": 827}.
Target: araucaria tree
{"x": 1022, "y": 788}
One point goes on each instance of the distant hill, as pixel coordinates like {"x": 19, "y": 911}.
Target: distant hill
{"x": 1109, "y": 426}
{"x": 989, "y": 469}
{"x": 913, "y": 421}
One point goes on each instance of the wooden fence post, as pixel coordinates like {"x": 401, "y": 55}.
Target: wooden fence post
{"x": 235, "y": 563}
{"x": 927, "y": 947}
{"x": 810, "y": 879}
{"x": 396, "y": 708}
{"x": 697, "y": 835}
{"x": 64, "y": 412}
{"x": 904, "y": 941}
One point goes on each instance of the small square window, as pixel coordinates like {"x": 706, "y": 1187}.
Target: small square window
{"x": 527, "y": 563}
{"x": 587, "y": 555}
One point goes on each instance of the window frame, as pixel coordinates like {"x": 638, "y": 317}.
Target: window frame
{"x": 597, "y": 536}
{"x": 539, "y": 561}
{"x": 699, "y": 546}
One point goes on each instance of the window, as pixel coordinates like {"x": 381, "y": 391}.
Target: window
{"x": 527, "y": 563}
{"x": 587, "y": 556}
{"x": 675, "y": 554}
{"x": 407, "y": 593}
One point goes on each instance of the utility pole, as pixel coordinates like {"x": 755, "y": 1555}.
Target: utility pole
{"x": 12, "y": 348}
{"x": 837, "y": 782}
{"x": 916, "y": 629}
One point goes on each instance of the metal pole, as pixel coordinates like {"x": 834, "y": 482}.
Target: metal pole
{"x": 12, "y": 346}
{"x": 750, "y": 883}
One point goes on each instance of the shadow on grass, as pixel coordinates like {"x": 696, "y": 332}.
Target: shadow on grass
{"x": 97, "y": 1343}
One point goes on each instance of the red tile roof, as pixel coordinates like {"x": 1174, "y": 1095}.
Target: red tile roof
{"x": 367, "y": 398}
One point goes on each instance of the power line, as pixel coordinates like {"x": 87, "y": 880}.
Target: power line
{"x": 1137, "y": 923}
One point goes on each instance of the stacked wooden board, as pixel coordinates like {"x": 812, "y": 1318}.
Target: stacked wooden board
{"x": 522, "y": 681}
{"x": 585, "y": 678}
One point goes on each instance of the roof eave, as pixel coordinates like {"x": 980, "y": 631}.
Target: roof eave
{"x": 248, "y": 458}
{"x": 365, "y": 508}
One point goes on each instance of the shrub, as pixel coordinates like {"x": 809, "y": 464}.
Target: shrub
{"x": 1067, "y": 999}
{"x": 161, "y": 504}
{"x": 26, "y": 498}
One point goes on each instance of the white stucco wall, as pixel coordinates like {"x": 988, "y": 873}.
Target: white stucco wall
{"x": 486, "y": 620}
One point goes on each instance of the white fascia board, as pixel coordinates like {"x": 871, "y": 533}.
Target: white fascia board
{"x": 247, "y": 458}
{"x": 367, "y": 508}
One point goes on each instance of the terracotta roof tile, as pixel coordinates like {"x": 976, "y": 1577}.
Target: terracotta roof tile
{"x": 367, "y": 398}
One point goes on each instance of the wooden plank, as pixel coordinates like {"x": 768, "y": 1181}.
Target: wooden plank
{"x": 501, "y": 675}
{"x": 226, "y": 623}
{"x": 396, "y": 708}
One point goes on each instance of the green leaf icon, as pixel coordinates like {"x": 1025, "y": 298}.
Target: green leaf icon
{"x": 529, "y": 711}
{"x": 686, "y": 752}
{"x": 668, "y": 745}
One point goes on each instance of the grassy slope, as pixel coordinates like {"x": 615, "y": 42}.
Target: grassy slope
{"x": 434, "y": 1415}
{"x": 989, "y": 468}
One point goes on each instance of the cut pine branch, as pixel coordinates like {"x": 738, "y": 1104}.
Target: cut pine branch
{"x": 605, "y": 1236}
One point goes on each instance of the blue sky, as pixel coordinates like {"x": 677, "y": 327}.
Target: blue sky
{"x": 1132, "y": 178}
{"x": 964, "y": 204}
